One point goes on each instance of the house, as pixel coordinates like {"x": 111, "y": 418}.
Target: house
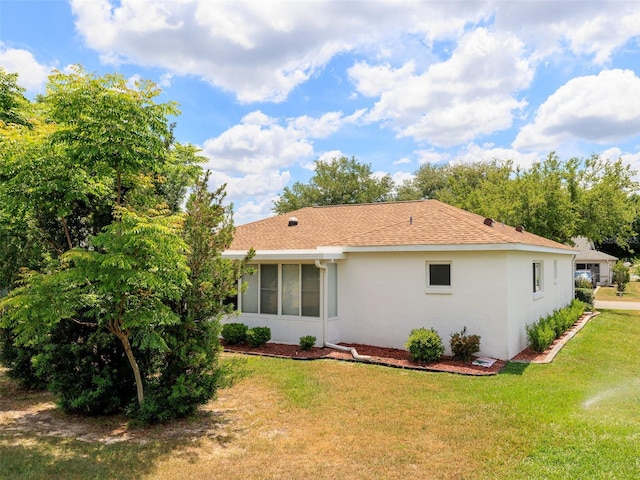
{"x": 600, "y": 263}
{"x": 371, "y": 273}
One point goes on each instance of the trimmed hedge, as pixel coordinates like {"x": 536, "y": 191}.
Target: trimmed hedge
{"x": 307, "y": 342}
{"x": 258, "y": 336}
{"x": 425, "y": 345}
{"x": 541, "y": 334}
{"x": 234, "y": 333}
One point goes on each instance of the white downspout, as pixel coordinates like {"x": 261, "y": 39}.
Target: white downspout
{"x": 324, "y": 317}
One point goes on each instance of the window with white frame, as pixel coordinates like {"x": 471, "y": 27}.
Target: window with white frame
{"x": 438, "y": 276}
{"x": 537, "y": 277}
{"x": 282, "y": 289}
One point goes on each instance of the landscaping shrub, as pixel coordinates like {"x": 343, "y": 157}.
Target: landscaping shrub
{"x": 585, "y": 295}
{"x": 425, "y": 345}
{"x": 464, "y": 346}
{"x": 541, "y": 334}
{"x": 258, "y": 336}
{"x": 234, "y": 333}
{"x": 307, "y": 342}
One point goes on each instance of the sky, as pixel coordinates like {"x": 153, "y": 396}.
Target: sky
{"x": 266, "y": 88}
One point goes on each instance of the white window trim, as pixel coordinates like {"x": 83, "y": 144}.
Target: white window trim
{"x": 438, "y": 289}
{"x": 539, "y": 293}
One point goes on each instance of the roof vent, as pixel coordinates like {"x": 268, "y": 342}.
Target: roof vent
{"x": 520, "y": 228}
{"x": 489, "y": 221}
{"x": 293, "y": 221}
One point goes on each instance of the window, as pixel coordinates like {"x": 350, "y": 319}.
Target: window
{"x": 285, "y": 289}
{"x": 269, "y": 289}
{"x": 537, "y": 277}
{"x": 555, "y": 271}
{"x": 310, "y": 291}
{"x": 438, "y": 276}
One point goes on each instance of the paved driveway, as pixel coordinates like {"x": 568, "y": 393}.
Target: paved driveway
{"x": 601, "y": 304}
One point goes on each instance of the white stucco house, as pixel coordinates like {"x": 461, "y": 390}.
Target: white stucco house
{"x": 370, "y": 273}
{"x": 600, "y": 263}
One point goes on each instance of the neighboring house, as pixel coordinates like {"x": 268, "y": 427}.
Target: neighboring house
{"x": 600, "y": 263}
{"x": 371, "y": 273}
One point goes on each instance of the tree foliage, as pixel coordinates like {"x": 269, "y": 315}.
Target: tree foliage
{"x": 553, "y": 198}
{"x": 105, "y": 271}
{"x": 337, "y": 182}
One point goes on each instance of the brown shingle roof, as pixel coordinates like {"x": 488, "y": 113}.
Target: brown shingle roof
{"x": 425, "y": 222}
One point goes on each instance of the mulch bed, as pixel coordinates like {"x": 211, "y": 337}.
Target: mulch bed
{"x": 392, "y": 357}
{"x": 395, "y": 357}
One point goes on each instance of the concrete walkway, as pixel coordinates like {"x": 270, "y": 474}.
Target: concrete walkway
{"x": 606, "y": 305}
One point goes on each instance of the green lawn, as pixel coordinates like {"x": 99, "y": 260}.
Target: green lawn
{"x": 578, "y": 417}
{"x": 631, "y": 294}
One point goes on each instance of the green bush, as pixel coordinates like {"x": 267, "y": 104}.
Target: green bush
{"x": 425, "y": 345}
{"x": 585, "y": 295}
{"x": 234, "y": 333}
{"x": 583, "y": 283}
{"x": 464, "y": 346}
{"x": 258, "y": 336}
{"x": 541, "y": 334}
{"x": 307, "y": 342}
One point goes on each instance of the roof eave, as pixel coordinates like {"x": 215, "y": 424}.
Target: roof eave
{"x": 470, "y": 247}
{"x": 331, "y": 253}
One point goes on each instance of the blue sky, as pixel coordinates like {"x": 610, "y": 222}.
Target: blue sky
{"x": 267, "y": 87}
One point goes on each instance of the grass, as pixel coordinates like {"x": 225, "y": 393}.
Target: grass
{"x": 578, "y": 417}
{"x": 631, "y": 294}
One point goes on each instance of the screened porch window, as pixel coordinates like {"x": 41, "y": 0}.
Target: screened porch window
{"x": 284, "y": 289}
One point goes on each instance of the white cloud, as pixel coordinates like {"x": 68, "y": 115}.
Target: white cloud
{"x": 484, "y": 153}
{"x": 252, "y": 194}
{"x": 604, "y": 33}
{"x": 261, "y": 144}
{"x": 259, "y": 50}
{"x": 31, "y": 74}
{"x": 596, "y": 108}
{"x": 252, "y": 157}
{"x": 468, "y": 95}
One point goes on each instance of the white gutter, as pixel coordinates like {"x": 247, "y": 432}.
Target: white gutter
{"x": 323, "y": 317}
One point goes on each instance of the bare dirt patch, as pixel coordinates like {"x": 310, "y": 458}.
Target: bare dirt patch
{"x": 25, "y": 414}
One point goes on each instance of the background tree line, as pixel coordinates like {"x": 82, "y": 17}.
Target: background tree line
{"x": 558, "y": 199}
{"x": 114, "y": 293}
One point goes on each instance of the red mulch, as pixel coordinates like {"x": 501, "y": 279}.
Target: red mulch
{"x": 395, "y": 357}
{"x": 392, "y": 357}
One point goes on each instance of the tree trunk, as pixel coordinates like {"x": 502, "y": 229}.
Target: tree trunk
{"x": 134, "y": 365}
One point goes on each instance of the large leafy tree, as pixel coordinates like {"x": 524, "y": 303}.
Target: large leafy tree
{"x": 337, "y": 182}
{"x": 553, "y": 198}
{"x": 99, "y": 183}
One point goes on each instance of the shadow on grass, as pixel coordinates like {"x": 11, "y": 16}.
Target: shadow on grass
{"x": 39, "y": 441}
{"x": 514, "y": 368}
{"x": 55, "y": 458}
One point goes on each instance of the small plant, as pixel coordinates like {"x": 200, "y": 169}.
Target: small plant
{"x": 234, "y": 333}
{"x": 425, "y": 345}
{"x": 621, "y": 276}
{"x": 258, "y": 336}
{"x": 464, "y": 346}
{"x": 307, "y": 342}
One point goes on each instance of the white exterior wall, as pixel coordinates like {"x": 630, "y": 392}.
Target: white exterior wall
{"x": 283, "y": 329}
{"x": 526, "y": 307}
{"x": 383, "y": 296}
